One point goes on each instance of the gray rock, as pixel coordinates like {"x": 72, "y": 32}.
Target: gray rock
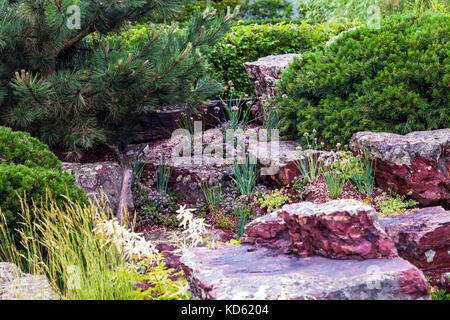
{"x": 97, "y": 177}
{"x": 263, "y": 74}
{"x": 16, "y": 285}
{"x": 242, "y": 272}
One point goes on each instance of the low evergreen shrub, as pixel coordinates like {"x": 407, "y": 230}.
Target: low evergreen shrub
{"x": 392, "y": 79}
{"x": 27, "y": 170}
{"x": 20, "y": 148}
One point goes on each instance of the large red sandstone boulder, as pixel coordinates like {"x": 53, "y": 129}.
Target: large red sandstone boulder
{"x": 339, "y": 229}
{"x": 242, "y": 272}
{"x": 423, "y": 238}
{"x": 263, "y": 74}
{"x": 416, "y": 164}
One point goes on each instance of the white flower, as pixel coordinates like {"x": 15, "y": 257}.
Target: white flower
{"x": 185, "y": 215}
{"x": 129, "y": 243}
{"x": 182, "y": 290}
{"x": 195, "y": 228}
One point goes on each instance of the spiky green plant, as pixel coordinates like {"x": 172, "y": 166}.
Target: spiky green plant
{"x": 244, "y": 176}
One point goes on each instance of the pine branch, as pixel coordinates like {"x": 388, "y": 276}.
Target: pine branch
{"x": 85, "y": 32}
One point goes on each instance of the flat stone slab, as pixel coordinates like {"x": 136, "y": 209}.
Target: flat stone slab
{"x": 242, "y": 272}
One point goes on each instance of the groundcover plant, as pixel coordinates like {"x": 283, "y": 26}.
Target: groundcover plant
{"x": 224, "y": 150}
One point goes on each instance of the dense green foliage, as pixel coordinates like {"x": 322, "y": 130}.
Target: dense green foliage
{"x": 221, "y": 6}
{"x": 19, "y": 180}
{"x": 392, "y": 79}
{"x": 253, "y": 9}
{"x": 20, "y": 148}
{"x": 76, "y": 93}
{"x": 249, "y": 21}
{"x": 269, "y": 9}
{"x": 319, "y": 11}
{"x": 27, "y": 169}
{"x": 251, "y": 42}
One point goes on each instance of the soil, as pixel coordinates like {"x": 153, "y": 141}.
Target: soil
{"x": 102, "y": 153}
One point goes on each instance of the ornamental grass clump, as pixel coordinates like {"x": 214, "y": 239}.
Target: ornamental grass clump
{"x": 309, "y": 165}
{"x": 242, "y": 214}
{"x": 86, "y": 254}
{"x": 332, "y": 173}
{"x": 60, "y": 242}
{"x": 364, "y": 176}
{"x": 244, "y": 175}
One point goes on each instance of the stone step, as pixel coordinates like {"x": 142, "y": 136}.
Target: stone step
{"x": 243, "y": 272}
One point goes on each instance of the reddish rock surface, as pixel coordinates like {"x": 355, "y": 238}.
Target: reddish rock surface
{"x": 339, "y": 229}
{"x": 278, "y": 161}
{"x": 242, "y": 272}
{"x": 188, "y": 172}
{"x": 263, "y": 74}
{"x": 99, "y": 177}
{"x": 416, "y": 164}
{"x": 423, "y": 238}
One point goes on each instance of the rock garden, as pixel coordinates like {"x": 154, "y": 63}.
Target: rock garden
{"x": 155, "y": 151}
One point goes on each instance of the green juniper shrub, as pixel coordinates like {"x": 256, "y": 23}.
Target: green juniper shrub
{"x": 154, "y": 206}
{"x": 392, "y": 79}
{"x": 20, "y": 148}
{"x": 32, "y": 183}
{"x": 246, "y": 43}
{"x": 28, "y": 169}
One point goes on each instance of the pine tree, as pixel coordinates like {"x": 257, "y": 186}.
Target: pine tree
{"x": 76, "y": 90}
